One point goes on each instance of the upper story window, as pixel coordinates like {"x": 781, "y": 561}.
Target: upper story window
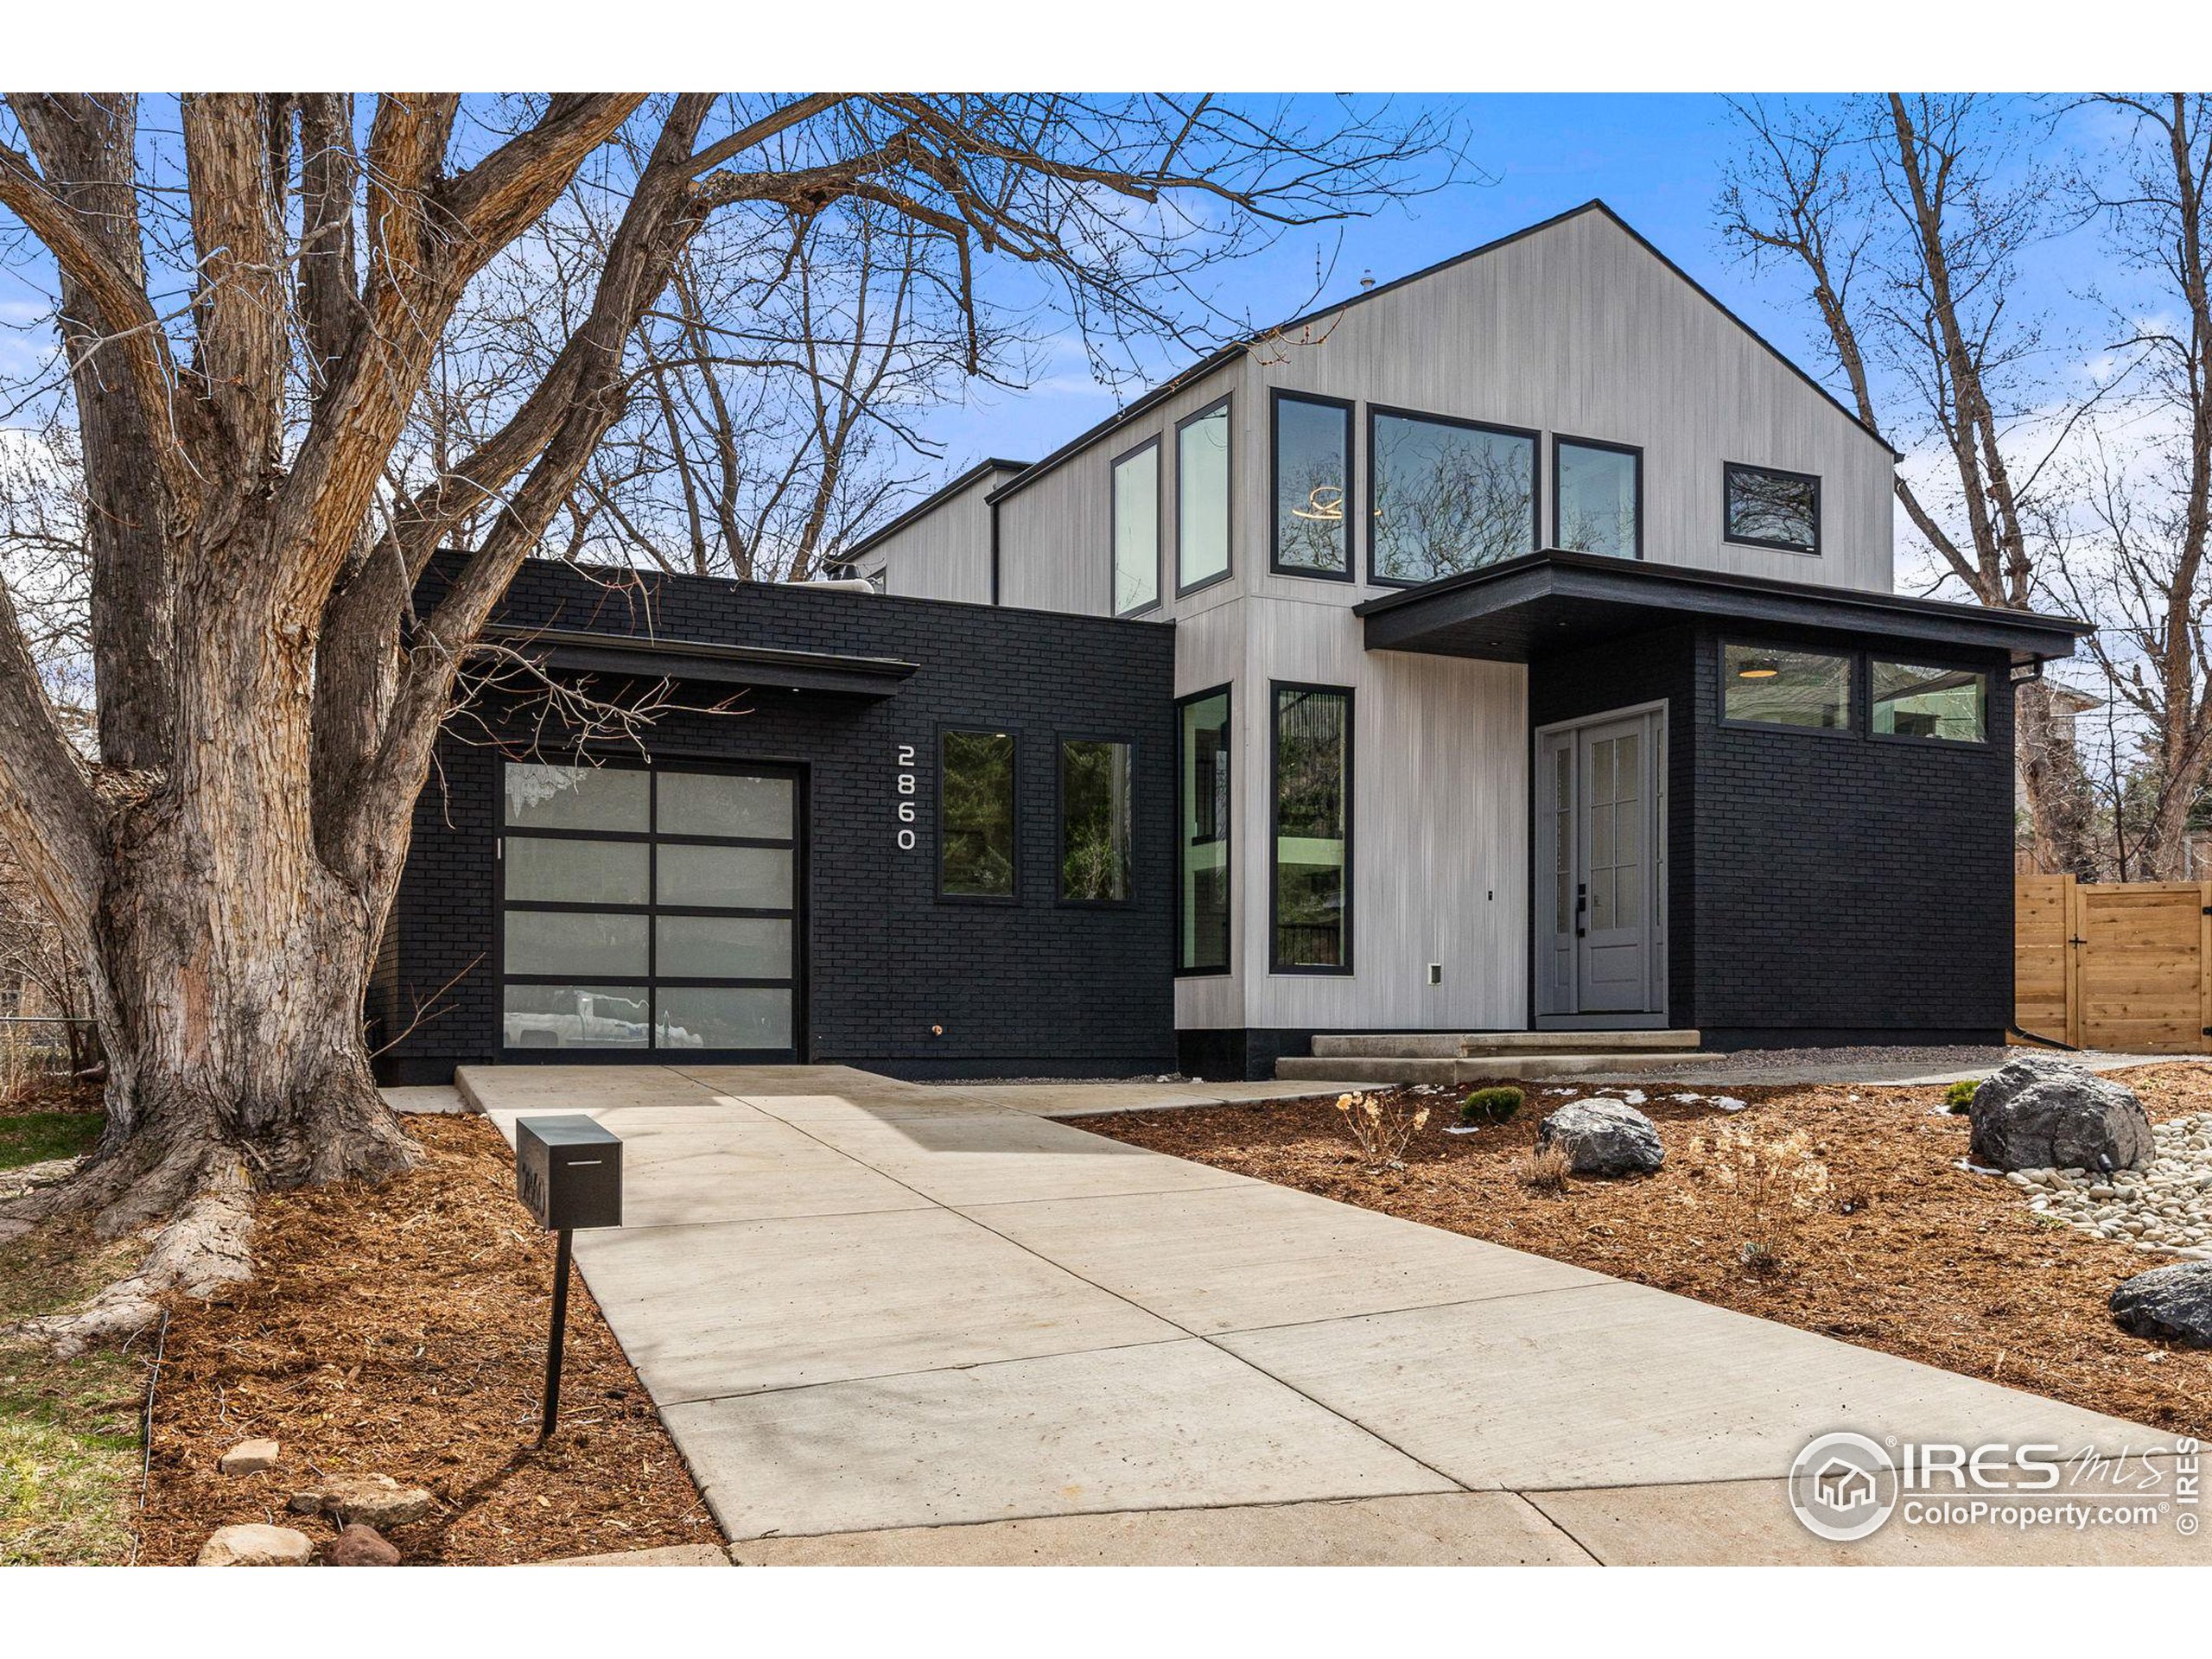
{"x": 1763, "y": 507}
{"x": 1312, "y": 480}
{"x": 1137, "y": 530}
{"x": 1202, "y": 497}
{"x": 1598, "y": 498}
{"x": 975, "y": 814}
{"x": 1446, "y": 496}
{"x": 1916, "y": 700}
{"x": 1766, "y": 685}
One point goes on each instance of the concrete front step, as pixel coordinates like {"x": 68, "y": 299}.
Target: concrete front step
{"x": 1452, "y": 1045}
{"x": 1479, "y": 1067}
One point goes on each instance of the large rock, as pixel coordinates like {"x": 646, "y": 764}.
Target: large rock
{"x": 359, "y": 1546}
{"x": 2042, "y": 1113}
{"x": 248, "y": 1457}
{"x": 372, "y": 1500}
{"x": 2170, "y": 1304}
{"x": 1604, "y": 1137}
{"x": 255, "y": 1544}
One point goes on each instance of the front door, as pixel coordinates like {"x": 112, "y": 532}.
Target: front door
{"x": 1599, "y": 899}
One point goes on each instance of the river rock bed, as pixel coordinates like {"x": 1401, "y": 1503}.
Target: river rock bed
{"x": 2165, "y": 1206}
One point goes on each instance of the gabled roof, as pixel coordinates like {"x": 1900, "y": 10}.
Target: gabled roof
{"x": 1229, "y": 353}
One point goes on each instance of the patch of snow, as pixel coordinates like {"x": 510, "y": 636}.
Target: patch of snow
{"x": 1973, "y": 1169}
{"x": 1634, "y": 1096}
{"x": 1687, "y": 1099}
{"x": 1463, "y": 1129}
{"x": 1730, "y": 1103}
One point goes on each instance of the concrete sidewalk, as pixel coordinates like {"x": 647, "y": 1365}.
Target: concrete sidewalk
{"x": 893, "y": 1323}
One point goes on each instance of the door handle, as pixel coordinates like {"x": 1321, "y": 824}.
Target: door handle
{"x": 1581, "y": 905}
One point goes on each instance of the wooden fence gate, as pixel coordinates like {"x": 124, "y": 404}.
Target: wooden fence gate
{"x": 2123, "y": 965}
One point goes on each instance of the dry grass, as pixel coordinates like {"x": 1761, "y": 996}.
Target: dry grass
{"x": 1840, "y": 1210}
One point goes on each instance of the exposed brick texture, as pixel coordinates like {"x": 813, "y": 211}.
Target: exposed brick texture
{"x": 1031, "y": 986}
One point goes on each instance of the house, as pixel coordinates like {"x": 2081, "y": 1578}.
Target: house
{"x": 1510, "y": 647}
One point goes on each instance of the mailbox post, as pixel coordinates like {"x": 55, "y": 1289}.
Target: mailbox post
{"x": 568, "y": 1173}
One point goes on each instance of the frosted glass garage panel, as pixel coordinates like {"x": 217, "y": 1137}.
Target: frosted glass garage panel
{"x": 723, "y": 947}
{"x": 716, "y": 803}
{"x": 733, "y": 878}
{"x": 577, "y": 797}
{"x": 584, "y": 944}
{"x": 705, "y": 1017}
{"x": 567, "y": 872}
{"x": 575, "y": 1016}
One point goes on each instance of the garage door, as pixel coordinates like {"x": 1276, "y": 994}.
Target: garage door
{"x": 650, "y": 911}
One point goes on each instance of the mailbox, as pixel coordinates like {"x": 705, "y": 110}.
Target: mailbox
{"x": 568, "y": 1172}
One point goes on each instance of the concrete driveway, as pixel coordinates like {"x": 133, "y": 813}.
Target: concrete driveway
{"x": 893, "y": 1323}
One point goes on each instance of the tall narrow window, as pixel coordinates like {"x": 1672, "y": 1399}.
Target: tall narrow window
{"x": 976, "y": 816}
{"x": 1202, "y": 497}
{"x": 1313, "y": 830}
{"x": 1095, "y": 821}
{"x": 1598, "y": 498}
{"x": 1766, "y": 508}
{"x": 1201, "y": 835}
{"x": 1446, "y": 496}
{"x": 1313, "y": 476}
{"x": 1137, "y": 530}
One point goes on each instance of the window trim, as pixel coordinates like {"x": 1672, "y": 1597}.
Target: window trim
{"x": 1379, "y": 411}
{"x": 1061, "y": 739}
{"x": 1561, "y": 440}
{"x": 1014, "y": 848}
{"x": 1277, "y": 396}
{"x": 1227, "y": 692}
{"x": 1114, "y": 532}
{"x": 1979, "y": 673}
{"x": 1346, "y": 969}
{"x": 1728, "y": 471}
{"x": 1225, "y": 405}
{"x": 1854, "y": 675}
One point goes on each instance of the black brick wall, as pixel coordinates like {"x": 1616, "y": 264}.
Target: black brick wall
{"x": 1035, "y": 987}
{"x": 1823, "y": 887}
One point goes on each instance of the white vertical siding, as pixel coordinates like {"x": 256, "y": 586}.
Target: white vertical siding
{"x": 945, "y": 553}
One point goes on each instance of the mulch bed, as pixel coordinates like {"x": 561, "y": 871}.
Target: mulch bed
{"x": 400, "y": 1329}
{"x": 1895, "y": 1247}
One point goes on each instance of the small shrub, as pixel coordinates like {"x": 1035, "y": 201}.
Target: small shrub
{"x": 1545, "y": 1170}
{"x": 1491, "y": 1105}
{"x": 1959, "y": 1097}
{"x": 1759, "y": 1261}
{"x": 1380, "y": 1128}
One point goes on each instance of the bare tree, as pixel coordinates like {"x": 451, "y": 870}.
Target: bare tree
{"x": 1906, "y": 219}
{"x": 267, "y": 699}
{"x": 2135, "y": 553}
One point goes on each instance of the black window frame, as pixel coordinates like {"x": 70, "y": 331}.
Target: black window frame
{"x": 1227, "y": 692}
{"x": 1561, "y": 440}
{"x": 980, "y": 728}
{"x": 1536, "y": 437}
{"x": 1060, "y": 740}
{"x": 800, "y": 913}
{"x": 1277, "y": 397}
{"x": 1978, "y": 670}
{"x": 1113, "y": 531}
{"x": 1728, "y": 471}
{"x": 1275, "y": 965}
{"x": 1854, "y": 686}
{"x": 1226, "y": 405}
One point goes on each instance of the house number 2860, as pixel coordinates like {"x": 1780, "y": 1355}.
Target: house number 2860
{"x": 908, "y": 784}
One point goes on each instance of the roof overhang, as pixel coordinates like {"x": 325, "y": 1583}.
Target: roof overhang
{"x": 1530, "y": 607}
{"x": 702, "y": 662}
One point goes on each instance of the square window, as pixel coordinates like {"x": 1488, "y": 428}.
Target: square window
{"x": 1765, "y": 507}
{"x": 1446, "y": 496}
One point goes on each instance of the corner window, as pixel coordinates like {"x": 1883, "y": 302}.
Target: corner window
{"x": 1313, "y": 479}
{"x": 1202, "y": 497}
{"x": 1312, "y": 840}
{"x": 1764, "y": 685}
{"x": 1095, "y": 821}
{"x": 1914, "y": 700}
{"x": 975, "y": 814}
{"x": 1446, "y": 496}
{"x": 1766, "y": 508}
{"x": 1598, "y": 498}
{"x": 1202, "y": 834}
{"x": 1137, "y": 530}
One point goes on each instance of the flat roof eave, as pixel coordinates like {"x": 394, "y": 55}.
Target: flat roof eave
{"x": 1553, "y": 601}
